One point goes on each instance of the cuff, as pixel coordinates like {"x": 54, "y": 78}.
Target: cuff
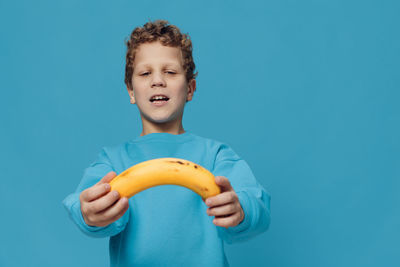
{"x": 73, "y": 206}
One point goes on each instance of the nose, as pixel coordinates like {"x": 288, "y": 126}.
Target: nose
{"x": 158, "y": 80}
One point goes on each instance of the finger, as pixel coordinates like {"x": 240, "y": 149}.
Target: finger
{"x": 104, "y": 202}
{"x": 222, "y": 199}
{"x": 223, "y": 210}
{"x": 99, "y": 189}
{"x": 223, "y": 183}
{"x": 95, "y": 192}
{"x": 227, "y": 221}
{"x": 123, "y": 210}
{"x": 115, "y": 211}
{"x": 107, "y": 178}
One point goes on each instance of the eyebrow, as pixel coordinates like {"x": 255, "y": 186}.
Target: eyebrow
{"x": 168, "y": 64}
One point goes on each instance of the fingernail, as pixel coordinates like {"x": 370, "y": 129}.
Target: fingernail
{"x": 208, "y": 202}
{"x": 115, "y": 193}
{"x": 107, "y": 186}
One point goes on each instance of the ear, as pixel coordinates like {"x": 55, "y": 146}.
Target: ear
{"x": 191, "y": 89}
{"x": 131, "y": 95}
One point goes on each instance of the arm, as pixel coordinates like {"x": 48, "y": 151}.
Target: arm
{"x": 240, "y": 186}
{"x": 93, "y": 196}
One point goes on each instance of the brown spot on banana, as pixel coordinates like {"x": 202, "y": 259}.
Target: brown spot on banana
{"x": 177, "y": 161}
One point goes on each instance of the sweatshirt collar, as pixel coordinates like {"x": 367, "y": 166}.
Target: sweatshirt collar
{"x": 164, "y": 137}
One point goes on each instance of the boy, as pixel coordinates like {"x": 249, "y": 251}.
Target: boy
{"x": 167, "y": 225}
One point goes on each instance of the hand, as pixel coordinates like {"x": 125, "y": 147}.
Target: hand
{"x": 225, "y": 206}
{"x": 100, "y": 206}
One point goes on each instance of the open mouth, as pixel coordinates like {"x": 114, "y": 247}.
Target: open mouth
{"x": 159, "y": 99}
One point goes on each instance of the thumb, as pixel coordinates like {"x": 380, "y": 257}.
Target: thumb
{"x": 223, "y": 183}
{"x": 107, "y": 178}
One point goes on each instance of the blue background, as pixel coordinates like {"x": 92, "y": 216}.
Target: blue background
{"x": 307, "y": 92}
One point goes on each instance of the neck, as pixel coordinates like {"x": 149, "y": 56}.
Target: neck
{"x": 170, "y": 127}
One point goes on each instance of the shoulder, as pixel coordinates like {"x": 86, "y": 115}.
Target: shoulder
{"x": 222, "y": 149}
{"x": 113, "y": 150}
{"x": 207, "y": 140}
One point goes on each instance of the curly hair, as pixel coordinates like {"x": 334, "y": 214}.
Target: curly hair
{"x": 168, "y": 35}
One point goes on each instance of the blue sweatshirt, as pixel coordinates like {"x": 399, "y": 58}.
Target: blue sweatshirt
{"x": 168, "y": 225}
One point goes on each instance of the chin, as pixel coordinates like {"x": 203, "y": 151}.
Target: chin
{"x": 159, "y": 119}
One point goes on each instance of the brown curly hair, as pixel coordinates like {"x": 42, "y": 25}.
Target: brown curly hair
{"x": 168, "y": 35}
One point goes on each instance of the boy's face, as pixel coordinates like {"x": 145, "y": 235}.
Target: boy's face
{"x": 158, "y": 70}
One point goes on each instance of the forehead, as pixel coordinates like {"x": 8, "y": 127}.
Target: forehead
{"x": 155, "y": 53}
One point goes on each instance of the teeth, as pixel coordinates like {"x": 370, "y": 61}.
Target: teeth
{"x": 158, "y": 97}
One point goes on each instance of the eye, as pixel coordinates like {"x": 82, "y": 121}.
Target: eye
{"x": 144, "y": 73}
{"x": 170, "y": 72}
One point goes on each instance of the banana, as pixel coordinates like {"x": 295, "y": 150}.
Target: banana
{"x": 164, "y": 171}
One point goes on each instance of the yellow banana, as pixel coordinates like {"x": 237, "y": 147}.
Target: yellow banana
{"x": 163, "y": 171}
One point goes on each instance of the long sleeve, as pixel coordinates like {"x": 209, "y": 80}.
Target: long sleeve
{"x": 253, "y": 198}
{"x": 98, "y": 169}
